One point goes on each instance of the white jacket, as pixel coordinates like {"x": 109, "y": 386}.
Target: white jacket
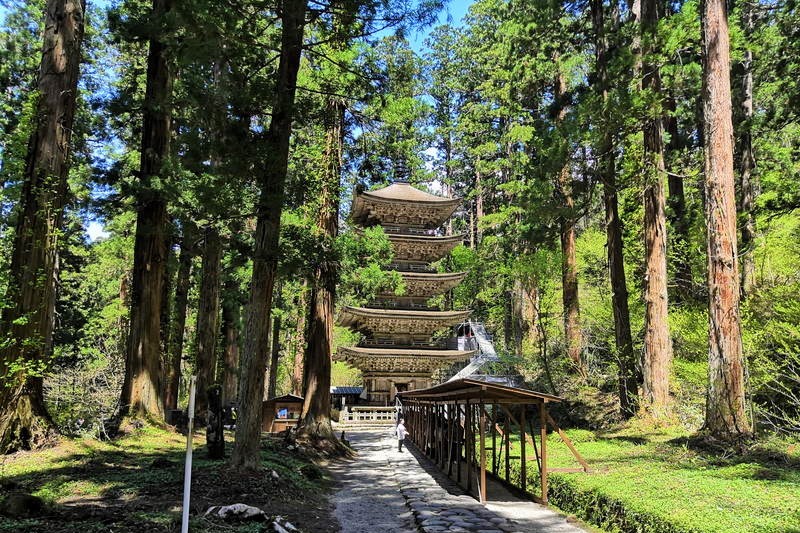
{"x": 401, "y": 431}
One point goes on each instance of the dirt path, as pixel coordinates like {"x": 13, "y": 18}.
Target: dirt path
{"x": 385, "y": 490}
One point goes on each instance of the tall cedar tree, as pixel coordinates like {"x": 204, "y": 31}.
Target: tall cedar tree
{"x": 29, "y": 320}
{"x": 315, "y": 419}
{"x": 208, "y": 317}
{"x": 246, "y": 451}
{"x": 178, "y": 322}
{"x": 569, "y": 257}
{"x": 725, "y": 408}
{"x": 657, "y": 342}
{"x": 141, "y": 389}
{"x": 747, "y": 161}
{"x": 626, "y": 360}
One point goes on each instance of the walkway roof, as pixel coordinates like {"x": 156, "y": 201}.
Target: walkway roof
{"x": 479, "y": 391}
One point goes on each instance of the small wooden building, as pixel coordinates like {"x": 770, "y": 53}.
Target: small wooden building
{"x": 341, "y": 396}
{"x": 281, "y": 413}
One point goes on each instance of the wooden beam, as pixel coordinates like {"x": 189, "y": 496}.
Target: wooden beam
{"x": 568, "y": 442}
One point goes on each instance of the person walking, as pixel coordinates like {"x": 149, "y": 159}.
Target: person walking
{"x": 401, "y": 433}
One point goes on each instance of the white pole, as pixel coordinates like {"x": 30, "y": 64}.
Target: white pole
{"x": 187, "y": 474}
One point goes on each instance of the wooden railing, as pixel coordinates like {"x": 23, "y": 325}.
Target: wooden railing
{"x": 368, "y": 415}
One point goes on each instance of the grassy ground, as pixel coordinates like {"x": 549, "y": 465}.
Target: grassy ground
{"x": 658, "y": 482}
{"x": 135, "y": 484}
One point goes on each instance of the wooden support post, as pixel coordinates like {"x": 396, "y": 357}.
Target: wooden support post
{"x": 469, "y": 440}
{"x": 543, "y": 421}
{"x": 494, "y": 439}
{"x": 460, "y": 430}
{"x": 522, "y": 461}
{"x": 450, "y": 439}
{"x": 508, "y": 449}
{"x": 482, "y": 431}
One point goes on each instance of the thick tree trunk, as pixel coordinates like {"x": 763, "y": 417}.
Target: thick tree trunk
{"x": 230, "y": 360}
{"x": 299, "y": 343}
{"x": 748, "y": 185}
{"x": 265, "y": 258}
{"x": 27, "y": 323}
{"x": 208, "y": 318}
{"x": 626, "y": 360}
{"x": 725, "y": 409}
{"x": 178, "y": 324}
{"x": 275, "y": 357}
{"x": 141, "y": 388}
{"x": 319, "y": 352}
{"x": 657, "y": 342}
{"x": 166, "y": 292}
{"x": 569, "y": 259}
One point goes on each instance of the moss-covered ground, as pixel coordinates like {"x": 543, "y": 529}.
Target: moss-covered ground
{"x": 135, "y": 484}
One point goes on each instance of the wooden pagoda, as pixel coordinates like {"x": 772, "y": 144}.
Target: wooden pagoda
{"x": 406, "y": 338}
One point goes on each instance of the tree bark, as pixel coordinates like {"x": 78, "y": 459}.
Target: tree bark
{"x": 27, "y": 324}
{"x": 657, "y": 342}
{"x": 725, "y": 408}
{"x": 166, "y": 292}
{"x": 246, "y": 452}
{"x": 141, "y": 388}
{"x": 747, "y": 163}
{"x": 569, "y": 261}
{"x": 626, "y": 360}
{"x": 178, "y": 323}
{"x": 315, "y": 420}
{"x": 299, "y": 343}
{"x": 230, "y": 328}
{"x": 208, "y": 319}
{"x": 275, "y": 357}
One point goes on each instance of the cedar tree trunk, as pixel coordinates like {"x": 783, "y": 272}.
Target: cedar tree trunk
{"x": 178, "y": 324}
{"x": 140, "y": 390}
{"x": 315, "y": 419}
{"x": 725, "y": 408}
{"x": 27, "y": 323}
{"x": 230, "y": 360}
{"x": 657, "y": 342}
{"x": 208, "y": 318}
{"x": 626, "y": 361}
{"x": 246, "y": 451}
{"x": 569, "y": 261}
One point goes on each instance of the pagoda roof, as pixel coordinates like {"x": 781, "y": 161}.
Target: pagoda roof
{"x": 400, "y": 203}
{"x": 427, "y": 284}
{"x": 399, "y": 321}
{"x": 427, "y": 248}
{"x": 400, "y": 360}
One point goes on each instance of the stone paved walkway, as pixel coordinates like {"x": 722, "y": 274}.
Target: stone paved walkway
{"x": 385, "y": 490}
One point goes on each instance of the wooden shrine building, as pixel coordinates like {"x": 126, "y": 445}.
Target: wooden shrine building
{"x": 406, "y": 338}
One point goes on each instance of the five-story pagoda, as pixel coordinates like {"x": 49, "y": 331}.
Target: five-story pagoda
{"x": 406, "y": 339}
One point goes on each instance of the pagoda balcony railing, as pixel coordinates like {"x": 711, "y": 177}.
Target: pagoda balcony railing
{"x": 411, "y": 267}
{"x": 394, "y": 304}
{"x": 405, "y": 230}
{"x": 448, "y": 343}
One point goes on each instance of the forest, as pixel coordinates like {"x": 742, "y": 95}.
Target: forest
{"x": 176, "y": 178}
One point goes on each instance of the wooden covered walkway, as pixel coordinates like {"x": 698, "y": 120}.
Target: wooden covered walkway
{"x": 456, "y": 423}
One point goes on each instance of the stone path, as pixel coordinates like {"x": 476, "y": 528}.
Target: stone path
{"x": 386, "y": 490}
